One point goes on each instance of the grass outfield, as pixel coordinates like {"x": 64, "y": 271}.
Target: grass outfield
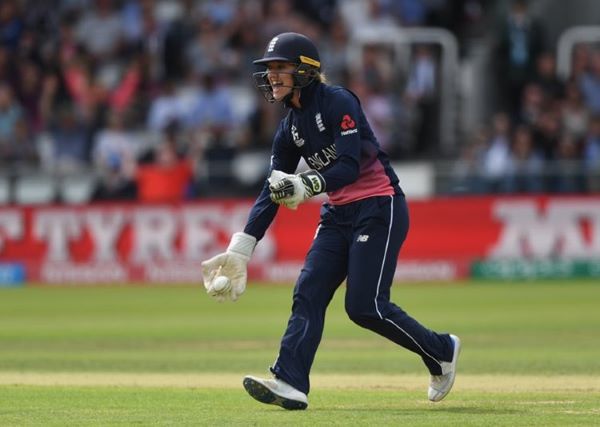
{"x": 144, "y": 355}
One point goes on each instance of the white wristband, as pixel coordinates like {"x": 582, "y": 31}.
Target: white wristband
{"x": 242, "y": 244}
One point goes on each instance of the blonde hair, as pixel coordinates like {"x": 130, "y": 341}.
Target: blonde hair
{"x": 321, "y": 77}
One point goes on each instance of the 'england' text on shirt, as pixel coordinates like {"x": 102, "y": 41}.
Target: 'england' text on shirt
{"x": 322, "y": 158}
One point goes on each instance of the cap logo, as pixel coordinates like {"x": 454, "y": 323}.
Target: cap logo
{"x": 309, "y": 61}
{"x": 272, "y": 44}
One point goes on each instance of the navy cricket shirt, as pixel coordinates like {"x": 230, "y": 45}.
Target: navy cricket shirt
{"x": 331, "y": 133}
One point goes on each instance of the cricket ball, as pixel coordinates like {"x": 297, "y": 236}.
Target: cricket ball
{"x": 220, "y": 284}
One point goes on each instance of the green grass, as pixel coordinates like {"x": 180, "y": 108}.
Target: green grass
{"x": 520, "y": 332}
{"x": 61, "y": 406}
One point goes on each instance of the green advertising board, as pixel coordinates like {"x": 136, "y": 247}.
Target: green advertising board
{"x": 512, "y": 269}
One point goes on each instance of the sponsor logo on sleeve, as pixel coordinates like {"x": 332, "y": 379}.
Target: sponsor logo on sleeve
{"x": 348, "y": 125}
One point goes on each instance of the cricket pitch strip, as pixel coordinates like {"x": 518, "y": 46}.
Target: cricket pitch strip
{"x": 467, "y": 382}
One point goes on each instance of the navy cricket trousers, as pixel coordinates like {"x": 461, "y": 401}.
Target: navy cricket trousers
{"x": 360, "y": 242}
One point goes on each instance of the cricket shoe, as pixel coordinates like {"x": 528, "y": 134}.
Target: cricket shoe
{"x": 275, "y": 392}
{"x": 440, "y": 385}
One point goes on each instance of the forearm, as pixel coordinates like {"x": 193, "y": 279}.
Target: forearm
{"x": 344, "y": 172}
{"x": 262, "y": 214}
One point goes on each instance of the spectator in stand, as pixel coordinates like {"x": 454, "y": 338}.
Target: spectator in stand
{"x": 175, "y": 33}
{"x": 279, "y": 16}
{"x": 591, "y": 155}
{"x": 212, "y": 111}
{"x": 496, "y": 156}
{"x": 93, "y": 92}
{"x": 11, "y": 24}
{"x": 115, "y": 181}
{"x": 468, "y": 20}
{"x": 67, "y": 45}
{"x": 221, "y": 12}
{"x": 257, "y": 132}
{"x": 524, "y": 172}
{"x": 547, "y": 133}
{"x": 532, "y": 105}
{"x": 545, "y": 77}
{"x": 208, "y": 50}
{"x": 244, "y": 44}
{"x": 169, "y": 177}
{"x": 580, "y": 61}
{"x": 69, "y": 136}
{"x": 361, "y": 15}
{"x": 567, "y": 175}
{"x": 411, "y": 13}
{"x": 165, "y": 108}
{"x": 466, "y": 171}
{"x": 10, "y": 114}
{"x": 421, "y": 94}
{"x": 42, "y": 19}
{"x": 52, "y": 96}
{"x": 145, "y": 28}
{"x": 138, "y": 19}
{"x": 100, "y": 30}
{"x": 8, "y": 74}
{"x": 114, "y": 144}
{"x": 520, "y": 42}
{"x": 322, "y": 12}
{"x": 29, "y": 90}
{"x": 212, "y": 123}
{"x": 20, "y": 151}
{"x": 574, "y": 114}
{"x": 29, "y": 48}
{"x": 590, "y": 84}
{"x": 377, "y": 106}
{"x": 334, "y": 52}
{"x": 376, "y": 71}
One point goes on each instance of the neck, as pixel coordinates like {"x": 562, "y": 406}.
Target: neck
{"x": 295, "y": 100}
{"x": 292, "y": 99}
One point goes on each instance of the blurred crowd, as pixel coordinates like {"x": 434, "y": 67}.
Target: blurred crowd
{"x": 155, "y": 97}
{"x": 545, "y": 135}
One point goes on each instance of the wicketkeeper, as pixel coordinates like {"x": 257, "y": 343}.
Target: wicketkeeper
{"x": 362, "y": 226}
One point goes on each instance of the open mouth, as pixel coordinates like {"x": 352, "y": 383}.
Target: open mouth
{"x": 278, "y": 88}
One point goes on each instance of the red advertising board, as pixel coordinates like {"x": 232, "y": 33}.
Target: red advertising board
{"x": 122, "y": 243}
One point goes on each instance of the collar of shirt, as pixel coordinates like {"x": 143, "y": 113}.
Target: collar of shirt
{"x": 307, "y": 95}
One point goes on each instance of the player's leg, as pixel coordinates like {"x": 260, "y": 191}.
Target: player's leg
{"x": 380, "y": 229}
{"x": 324, "y": 270}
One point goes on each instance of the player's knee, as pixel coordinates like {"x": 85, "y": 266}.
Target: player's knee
{"x": 361, "y": 312}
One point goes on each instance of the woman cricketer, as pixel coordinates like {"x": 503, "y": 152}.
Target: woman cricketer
{"x": 361, "y": 229}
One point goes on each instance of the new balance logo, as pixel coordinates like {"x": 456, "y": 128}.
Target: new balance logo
{"x": 362, "y": 238}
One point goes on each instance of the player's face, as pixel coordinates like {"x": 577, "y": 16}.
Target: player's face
{"x": 280, "y": 77}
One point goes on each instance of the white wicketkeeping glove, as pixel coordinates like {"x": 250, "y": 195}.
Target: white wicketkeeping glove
{"x": 233, "y": 264}
{"x": 291, "y": 190}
